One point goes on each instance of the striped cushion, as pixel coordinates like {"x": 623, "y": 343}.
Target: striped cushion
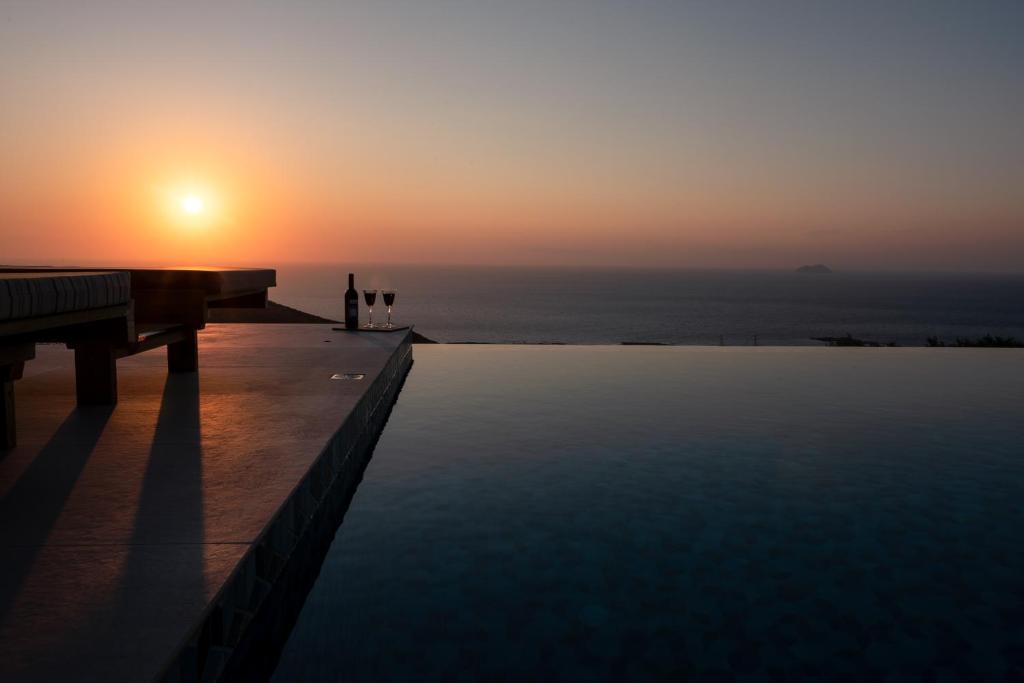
{"x": 30, "y": 295}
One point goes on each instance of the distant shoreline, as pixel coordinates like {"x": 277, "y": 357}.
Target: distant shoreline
{"x": 276, "y": 313}
{"x": 279, "y": 314}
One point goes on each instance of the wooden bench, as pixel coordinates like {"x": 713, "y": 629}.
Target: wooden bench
{"x": 69, "y": 307}
{"x": 155, "y": 307}
{"x": 174, "y": 303}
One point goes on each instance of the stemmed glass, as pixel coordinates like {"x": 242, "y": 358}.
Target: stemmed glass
{"x": 389, "y": 301}
{"x": 370, "y": 297}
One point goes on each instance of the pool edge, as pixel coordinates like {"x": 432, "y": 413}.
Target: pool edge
{"x": 248, "y": 620}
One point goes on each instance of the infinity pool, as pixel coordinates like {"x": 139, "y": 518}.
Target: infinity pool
{"x": 704, "y": 513}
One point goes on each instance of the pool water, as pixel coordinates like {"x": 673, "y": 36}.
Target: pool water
{"x": 608, "y": 513}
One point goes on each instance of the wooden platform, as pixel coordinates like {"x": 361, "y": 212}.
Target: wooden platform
{"x": 182, "y": 295}
{"x": 85, "y": 309}
{"x": 108, "y": 315}
{"x": 35, "y": 295}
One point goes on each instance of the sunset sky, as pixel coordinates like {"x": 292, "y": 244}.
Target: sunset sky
{"x": 708, "y": 134}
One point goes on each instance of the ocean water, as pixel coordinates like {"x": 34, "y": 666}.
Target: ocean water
{"x": 682, "y": 513}
{"x": 609, "y": 306}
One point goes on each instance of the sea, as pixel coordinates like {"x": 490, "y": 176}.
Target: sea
{"x": 550, "y": 305}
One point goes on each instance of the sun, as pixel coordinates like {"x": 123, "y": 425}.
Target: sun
{"x": 192, "y": 204}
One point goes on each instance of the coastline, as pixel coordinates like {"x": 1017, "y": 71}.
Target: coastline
{"x": 276, "y": 313}
{"x": 279, "y": 314}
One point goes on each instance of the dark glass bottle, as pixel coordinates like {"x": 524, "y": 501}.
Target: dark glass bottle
{"x": 351, "y": 304}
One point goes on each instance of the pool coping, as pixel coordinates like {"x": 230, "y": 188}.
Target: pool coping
{"x": 247, "y": 621}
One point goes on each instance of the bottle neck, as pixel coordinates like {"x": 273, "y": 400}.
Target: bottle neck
{"x": 351, "y": 281}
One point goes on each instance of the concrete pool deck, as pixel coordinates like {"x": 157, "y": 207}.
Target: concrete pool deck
{"x": 144, "y": 540}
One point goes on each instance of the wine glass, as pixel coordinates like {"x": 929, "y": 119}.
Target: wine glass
{"x": 370, "y": 297}
{"x": 389, "y": 301}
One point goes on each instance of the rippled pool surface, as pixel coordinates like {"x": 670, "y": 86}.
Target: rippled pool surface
{"x": 609, "y": 513}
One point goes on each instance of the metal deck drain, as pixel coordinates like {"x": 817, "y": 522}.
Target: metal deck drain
{"x": 348, "y": 375}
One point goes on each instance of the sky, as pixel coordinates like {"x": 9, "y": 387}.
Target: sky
{"x": 867, "y": 135}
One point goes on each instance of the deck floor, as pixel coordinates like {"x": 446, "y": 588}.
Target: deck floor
{"x": 119, "y": 525}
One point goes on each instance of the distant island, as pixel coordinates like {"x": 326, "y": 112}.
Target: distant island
{"x": 816, "y": 268}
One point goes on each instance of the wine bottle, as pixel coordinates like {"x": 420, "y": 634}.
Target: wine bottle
{"x": 351, "y": 304}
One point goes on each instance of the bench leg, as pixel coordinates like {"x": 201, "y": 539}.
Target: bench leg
{"x": 8, "y": 373}
{"x": 95, "y": 375}
{"x": 8, "y": 433}
{"x": 183, "y": 356}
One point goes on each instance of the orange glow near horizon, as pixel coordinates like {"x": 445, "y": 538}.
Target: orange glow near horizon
{"x": 144, "y": 201}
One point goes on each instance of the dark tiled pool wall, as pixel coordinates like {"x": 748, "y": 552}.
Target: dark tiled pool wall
{"x": 241, "y": 635}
